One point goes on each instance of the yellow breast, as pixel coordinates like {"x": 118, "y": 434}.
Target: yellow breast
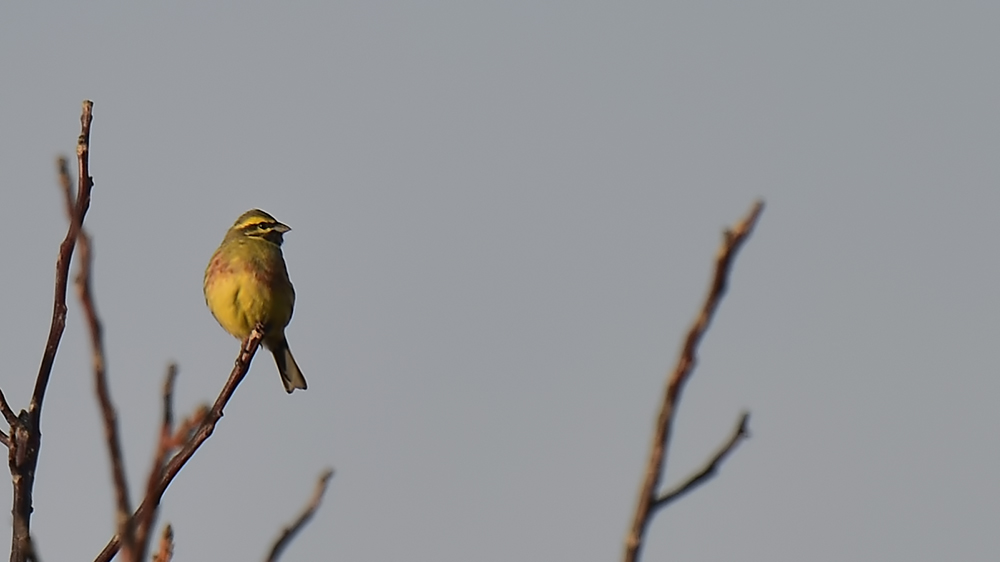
{"x": 246, "y": 283}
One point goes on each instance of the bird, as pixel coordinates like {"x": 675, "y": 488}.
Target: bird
{"x": 246, "y": 283}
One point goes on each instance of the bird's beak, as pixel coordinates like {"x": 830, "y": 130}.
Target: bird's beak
{"x": 282, "y": 228}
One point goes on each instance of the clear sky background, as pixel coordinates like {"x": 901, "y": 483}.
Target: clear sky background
{"x": 504, "y": 219}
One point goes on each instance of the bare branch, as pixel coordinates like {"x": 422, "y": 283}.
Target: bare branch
{"x": 201, "y": 434}
{"x": 165, "y": 446}
{"x": 82, "y": 203}
{"x": 166, "y": 551}
{"x": 646, "y": 508}
{"x": 168, "y": 399}
{"x": 25, "y": 438}
{"x": 66, "y": 183}
{"x": 207, "y": 427}
{"x": 108, "y": 414}
{"x": 739, "y": 434}
{"x": 8, "y": 414}
{"x": 290, "y": 531}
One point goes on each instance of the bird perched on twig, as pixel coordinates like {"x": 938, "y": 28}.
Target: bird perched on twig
{"x": 246, "y": 283}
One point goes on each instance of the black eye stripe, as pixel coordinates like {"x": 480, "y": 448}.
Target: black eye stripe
{"x": 259, "y": 226}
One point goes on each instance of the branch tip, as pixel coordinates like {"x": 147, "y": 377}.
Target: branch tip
{"x": 310, "y": 509}
{"x": 166, "y": 550}
{"x": 648, "y": 502}
{"x": 739, "y": 434}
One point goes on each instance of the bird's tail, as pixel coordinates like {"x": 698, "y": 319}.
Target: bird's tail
{"x": 291, "y": 376}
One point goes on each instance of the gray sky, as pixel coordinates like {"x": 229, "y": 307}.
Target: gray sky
{"x": 504, "y": 219}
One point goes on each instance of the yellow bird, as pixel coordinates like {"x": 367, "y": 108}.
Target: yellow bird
{"x": 246, "y": 283}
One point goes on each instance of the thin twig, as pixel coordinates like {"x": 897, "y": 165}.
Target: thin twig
{"x": 8, "y": 414}
{"x": 289, "y": 532}
{"x": 108, "y": 414}
{"x": 739, "y": 434}
{"x": 166, "y": 551}
{"x": 168, "y": 400}
{"x": 646, "y": 508}
{"x": 66, "y": 183}
{"x": 142, "y": 525}
{"x": 26, "y": 437}
{"x": 85, "y": 184}
{"x": 185, "y": 430}
{"x": 203, "y": 432}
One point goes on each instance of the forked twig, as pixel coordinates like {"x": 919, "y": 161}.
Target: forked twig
{"x": 201, "y": 434}
{"x": 648, "y": 504}
{"x": 739, "y": 434}
{"x": 25, "y": 438}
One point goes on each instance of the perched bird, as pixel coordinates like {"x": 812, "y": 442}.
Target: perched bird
{"x": 246, "y": 283}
